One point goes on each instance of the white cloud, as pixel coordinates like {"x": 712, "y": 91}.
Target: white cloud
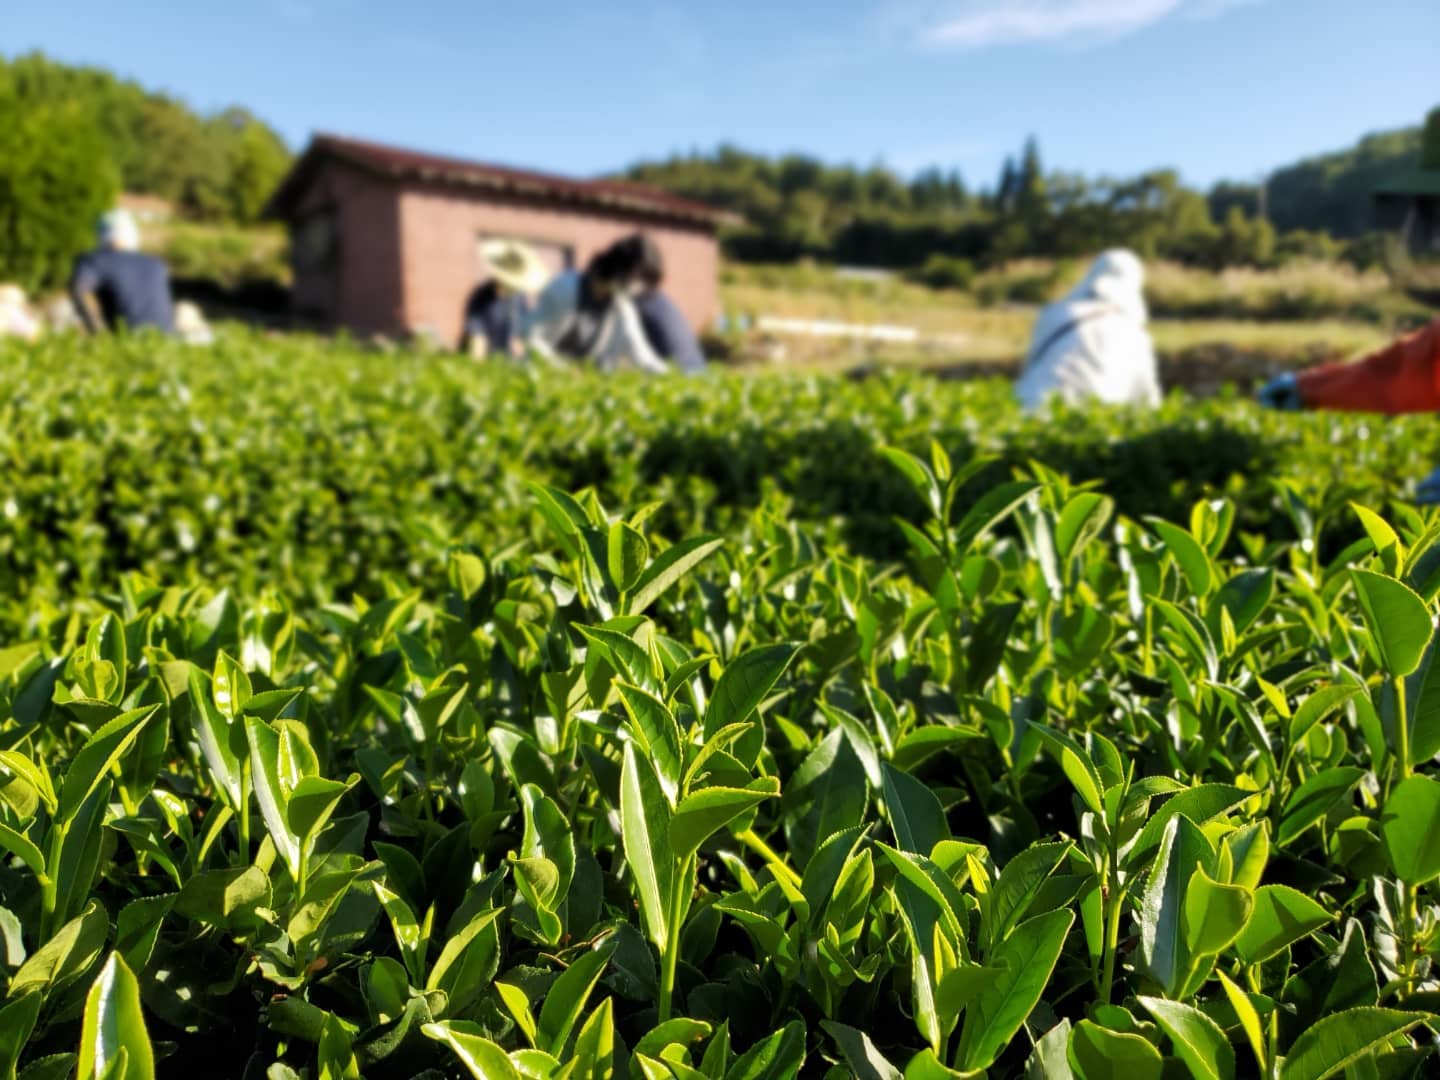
{"x": 979, "y": 24}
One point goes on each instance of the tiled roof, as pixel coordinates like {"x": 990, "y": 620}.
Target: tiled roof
{"x": 401, "y": 164}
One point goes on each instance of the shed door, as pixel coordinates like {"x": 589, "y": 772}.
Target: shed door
{"x": 315, "y": 254}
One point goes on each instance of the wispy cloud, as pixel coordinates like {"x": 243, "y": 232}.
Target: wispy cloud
{"x": 980, "y": 24}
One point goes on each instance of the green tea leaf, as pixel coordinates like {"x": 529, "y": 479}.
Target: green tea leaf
{"x": 1282, "y": 916}
{"x": 658, "y": 734}
{"x": 915, "y": 813}
{"x": 1398, "y": 620}
{"x": 703, "y": 813}
{"x": 224, "y": 898}
{"x": 1022, "y": 966}
{"x": 1249, "y": 1018}
{"x": 744, "y": 684}
{"x": 1188, "y": 554}
{"x": 1199, "y": 1042}
{"x": 669, "y": 568}
{"x": 645, "y": 819}
{"x": 114, "y": 1025}
{"x": 66, "y": 956}
{"x": 1315, "y": 798}
{"x": 629, "y": 551}
{"x": 864, "y": 1060}
{"x": 17, "y": 1021}
{"x": 1164, "y": 951}
{"x": 95, "y": 759}
{"x": 567, "y": 997}
{"x": 1337, "y": 1041}
{"x": 1410, "y": 825}
{"x": 1097, "y": 1053}
{"x": 1214, "y": 914}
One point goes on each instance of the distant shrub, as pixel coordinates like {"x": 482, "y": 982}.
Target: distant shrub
{"x": 1024, "y": 281}
{"x": 1302, "y": 245}
{"x": 1301, "y": 289}
{"x": 945, "y": 272}
{"x": 55, "y": 180}
{"x": 227, "y": 255}
{"x": 1369, "y": 252}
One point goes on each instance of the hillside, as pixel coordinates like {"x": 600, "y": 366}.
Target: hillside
{"x": 799, "y": 206}
{"x": 1330, "y": 192}
{"x": 218, "y": 166}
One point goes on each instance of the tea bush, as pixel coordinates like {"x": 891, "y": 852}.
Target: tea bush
{"x": 374, "y": 716}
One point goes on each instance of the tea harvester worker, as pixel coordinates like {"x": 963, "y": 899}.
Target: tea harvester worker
{"x": 116, "y": 286}
{"x": 1402, "y": 377}
{"x": 1094, "y": 345}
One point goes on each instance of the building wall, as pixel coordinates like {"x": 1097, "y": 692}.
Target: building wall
{"x": 361, "y": 287}
{"x": 440, "y": 228}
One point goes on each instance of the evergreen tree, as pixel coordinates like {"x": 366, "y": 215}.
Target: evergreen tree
{"x": 1008, "y": 188}
{"x": 1031, "y": 205}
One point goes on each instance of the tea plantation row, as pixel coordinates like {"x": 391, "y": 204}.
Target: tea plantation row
{"x": 364, "y": 716}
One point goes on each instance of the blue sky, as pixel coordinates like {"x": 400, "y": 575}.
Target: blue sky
{"x": 1217, "y": 88}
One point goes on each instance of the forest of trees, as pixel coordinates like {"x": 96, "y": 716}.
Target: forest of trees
{"x": 796, "y": 206}
{"x": 217, "y": 167}
{"x": 71, "y": 137}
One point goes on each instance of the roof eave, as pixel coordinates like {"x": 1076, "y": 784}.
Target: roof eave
{"x": 279, "y": 206}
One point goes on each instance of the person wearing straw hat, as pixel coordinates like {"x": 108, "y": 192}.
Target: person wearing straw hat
{"x": 116, "y": 286}
{"x": 16, "y": 319}
{"x": 497, "y": 309}
{"x": 591, "y": 316}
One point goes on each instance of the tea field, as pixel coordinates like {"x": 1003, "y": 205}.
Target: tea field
{"x": 381, "y": 716}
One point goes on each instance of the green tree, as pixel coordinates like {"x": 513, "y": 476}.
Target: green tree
{"x": 56, "y": 178}
{"x": 257, "y": 162}
{"x": 210, "y": 167}
{"x": 1030, "y": 202}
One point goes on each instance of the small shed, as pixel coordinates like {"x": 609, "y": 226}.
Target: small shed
{"x": 385, "y": 240}
{"x": 1418, "y": 193}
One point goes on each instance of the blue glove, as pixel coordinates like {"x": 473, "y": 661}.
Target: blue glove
{"x": 1281, "y": 392}
{"x": 1428, "y": 493}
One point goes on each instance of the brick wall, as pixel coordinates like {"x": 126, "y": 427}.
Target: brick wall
{"x": 362, "y": 289}
{"x": 439, "y": 229}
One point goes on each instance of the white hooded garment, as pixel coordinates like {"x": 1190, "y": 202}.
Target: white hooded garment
{"x": 1093, "y": 345}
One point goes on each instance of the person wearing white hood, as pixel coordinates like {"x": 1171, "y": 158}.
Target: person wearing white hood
{"x": 1093, "y": 345}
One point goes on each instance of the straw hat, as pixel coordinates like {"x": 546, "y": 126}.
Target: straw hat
{"x": 515, "y": 265}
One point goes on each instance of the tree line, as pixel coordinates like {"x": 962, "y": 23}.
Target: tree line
{"x": 795, "y": 206}
{"x": 220, "y": 166}
{"x": 72, "y": 138}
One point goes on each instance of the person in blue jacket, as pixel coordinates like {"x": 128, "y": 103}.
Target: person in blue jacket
{"x": 116, "y": 287}
{"x": 669, "y": 334}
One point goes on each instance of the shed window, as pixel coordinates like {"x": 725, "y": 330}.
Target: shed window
{"x": 317, "y": 240}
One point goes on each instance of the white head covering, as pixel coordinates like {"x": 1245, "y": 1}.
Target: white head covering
{"x": 117, "y": 229}
{"x": 1116, "y": 278}
{"x": 1093, "y": 344}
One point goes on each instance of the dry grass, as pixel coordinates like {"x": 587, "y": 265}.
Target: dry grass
{"x": 959, "y": 330}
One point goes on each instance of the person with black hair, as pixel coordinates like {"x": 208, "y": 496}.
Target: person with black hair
{"x": 667, "y": 330}
{"x": 591, "y": 316}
